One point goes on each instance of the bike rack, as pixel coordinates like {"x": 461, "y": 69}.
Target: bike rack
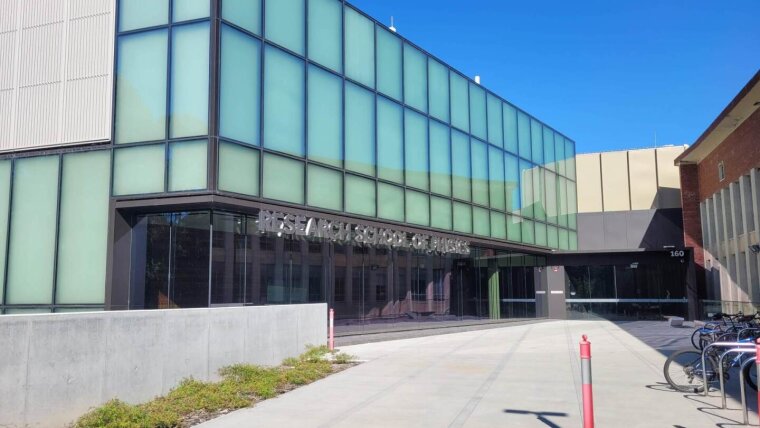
{"x": 744, "y": 350}
{"x": 743, "y": 391}
{"x": 716, "y": 345}
{"x": 749, "y": 329}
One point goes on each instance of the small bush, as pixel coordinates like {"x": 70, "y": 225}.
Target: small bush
{"x": 116, "y": 414}
{"x": 343, "y": 358}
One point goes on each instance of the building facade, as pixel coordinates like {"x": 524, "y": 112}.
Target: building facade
{"x": 266, "y": 152}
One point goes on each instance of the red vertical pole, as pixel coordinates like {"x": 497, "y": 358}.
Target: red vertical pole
{"x": 588, "y": 395}
{"x": 331, "y": 332}
{"x": 757, "y": 370}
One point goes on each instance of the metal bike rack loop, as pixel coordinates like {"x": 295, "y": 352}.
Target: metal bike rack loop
{"x": 716, "y": 345}
{"x": 743, "y": 392}
{"x": 744, "y": 350}
{"x": 749, "y": 329}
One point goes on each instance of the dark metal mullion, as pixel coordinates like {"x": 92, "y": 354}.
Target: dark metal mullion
{"x": 262, "y": 59}
{"x": 305, "y": 136}
{"x": 376, "y": 142}
{"x": 8, "y": 233}
{"x": 403, "y": 124}
{"x": 343, "y": 106}
{"x": 214, "y": 99}
{"x": 168, "y": 107}
{"x": 59, "y": 159}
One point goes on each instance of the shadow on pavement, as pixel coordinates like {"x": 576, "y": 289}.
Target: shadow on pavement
{"x": 541, "y": 416}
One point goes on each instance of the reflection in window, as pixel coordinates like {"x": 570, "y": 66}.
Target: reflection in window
{"x": 390, "y": 141}
{"x": 478, "y": 111}
{"x": 416, "y": 147}
{"x": 285, "y": 23}
{"x": 460, "y": 148}
{"x": 360, "y": 130}
{"x": 240, "y": 88}
{"x": 190, "y": 76}
{"x": 283, "y": 102}
{"x": 359, "y": 40}
{"x": 326, "y": 33}
{"x": 325, "y": 112}
{"x": 415, "y": 78}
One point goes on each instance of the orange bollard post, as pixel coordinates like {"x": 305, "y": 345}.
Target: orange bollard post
{"x": 331, "y": 331}
{"x": 588, "y": 395}
{"x": 757, "y": 368}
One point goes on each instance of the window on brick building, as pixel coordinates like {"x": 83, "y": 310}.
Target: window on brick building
{"x": 721, "y": 171}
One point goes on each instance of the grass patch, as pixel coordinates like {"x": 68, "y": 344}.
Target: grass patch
{"x": 242, "y": 385}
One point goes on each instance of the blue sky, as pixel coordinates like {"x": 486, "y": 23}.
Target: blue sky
{"x": 609, "y": 74}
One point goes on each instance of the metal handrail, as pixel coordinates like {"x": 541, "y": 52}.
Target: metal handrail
{"x": 743, "y": 392}
{"x": 744, "y": 350}
{"x": 715, "y": 345}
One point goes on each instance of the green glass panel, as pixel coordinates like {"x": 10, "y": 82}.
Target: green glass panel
{"x": 325, "y": 188}
{"x": 326, "y": 33}
{"x": 552, "y": 237}
{"x": 141, "y": 87}
{"x": 479, "y": 172}
{"x": 389, "y": 72}
{"x": 185, "y": 10}
{"x": 440, "y": 212}
{"x": 462, "y": 217}
{"x": 438, "y": 84}
{"x": 549, "y": 160}
{"x": 528, "y": 235}
{"x": 572, "y": 205}
{"x": 460, "y": 102}
{"x": 240, "y": 87}
{"x": 416, "y": 147}
{"x": 550, "y": 182}
{"x": 238, "y": 169}
{"x": 360, "y": 130}
{"x": 537, "y": 142}
{"x": 286, "y": 23}
{"x": 481, "y": 220}
{"x": 360, "y": 195}
{"x": 539, "y": 195}
{"x": 523, "y": 135}
{"x": 33, "y": 226}
{"x": 359, "y": 39}
{"x": 390, "y": 202}
{"x": 13, "y": 311}
{"x": 134, "y": 14}
{"x": 325, "y": 127}
{"x": 512, "y": 183}
{"x": 541, "y": 236}
{"x": 514, "y": 228}
{"x": 495, "y": 132}
{"x": 415, "y": 78}
{"x": 562, "y": 196}
{"x": 76, "y": 310}
{"x": 559, "y": 149}
{"x": 190, "y": 74}
{"x": 83, "y": 228}
{"x": 440, "y": 159}
{"x": 283, "y": 179}
{"x": 417, "y": 208}
{"x": 5, "y": 191}
{"x": 283, "y": 102}
{"x": 390, "y": 140}
{"x": 510, "y": 128}
{"x": 478, "y": 126}
{"x": 573, "y": 241}
{"x": 564, "y": 239}
{"x": 496, "y": 188}
{"x": 526, "y": 189}
{"x": 460, "y": 149}
{"x": 498, "y": 225}
{"x": 188, "y": 165}
{"x": 139, "y": 170}
{"x": 244, "y": 13}
{"x": 570, "y": 156}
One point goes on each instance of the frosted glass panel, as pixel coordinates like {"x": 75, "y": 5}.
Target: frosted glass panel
{"x": 360, "y": 195}
{"x": 481, "y": 219}
{"x": 5, "y": 190}
{"x": 134, "y": 14}
{"x": 495, "y": 134}
{"x": 417, "y": 208}
{"x": 460, "y": 149}
{"x": 139, "y": 170}
{"x": 572, "y": 205}
{"x": 462, "y": 217}
{"x": 240, "y": 87}
{"x": 390, "y": 202}
{"x": 360, "y": 130}
{"x": 564, "y": 239}
{"x": 460, "y": 102}
{"x": 528, "y": 235}
{"x": 188, "y": 165}
{"x": 559, "y": 151}
{"x": 510, "y": 128}
{"x": 189, "y": 98}
{"x": 360, "y": 47}
{"x": 283, "y": 179}
{"x": 440, "y": 210}
{"x": 326, "y": 33}
{"x": 496, "y": 178}
{"x": 416, "y": 147}
{"x": 570, "y": 156}
{"x": 325, "y": 126}
{"x": 552, "y": 237}
{"x": 514, "y": 228}
{"x": 478, "y": 111}
{"x": 537, "y": 141}
{"x": 141, "y": 87}
{"x": 325, "y": 188}
{"x": 573, "y": 241}
{"x": 283, "y": 102}
{"x": 523, "y": 134}
{"x": 389, "y": 64}
{"x": 286, "y": 23}
{"x": 185, "y": 10}
{"x": 551, "y": 196}
{"x": 562, "y": 201}
{"x": 539, "y": 195}
{"x": 549, "y": 148}
{"x": 498, "y": 225}
{"x": 541, "y": 237}
{"x": 479, "y": 172}
{"x": 83, "y": 229}
{"x": 438, "y": 82}
{"x": 33, "y": 226}
{"x": 526, "y": 189}
{"x": 390, "y": 141}
{"x": 238, "y": 169}
{"x": 512, "y": 183}
{"x": 245, "y": 13}
{"x": 440, "y": 159}
{"x": 415, "y": 78}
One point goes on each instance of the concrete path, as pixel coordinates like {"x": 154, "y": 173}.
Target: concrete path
{"x": 518, "y": 376}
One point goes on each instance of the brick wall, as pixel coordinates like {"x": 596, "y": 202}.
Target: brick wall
{"x": 692, "y": 222}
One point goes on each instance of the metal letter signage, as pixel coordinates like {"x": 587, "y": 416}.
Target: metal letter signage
{"x": 298, "y": 225}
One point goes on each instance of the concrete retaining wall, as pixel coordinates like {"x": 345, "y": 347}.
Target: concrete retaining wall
{"x": 53, "y": 368}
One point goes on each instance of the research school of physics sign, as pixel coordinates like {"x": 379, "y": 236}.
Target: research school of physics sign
{"x": 339, "y": 231}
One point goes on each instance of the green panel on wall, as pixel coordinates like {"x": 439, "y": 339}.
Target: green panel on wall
{"x": 497, "y": 192}
{"x": 510, "y": 128}
{"x": 390, "y": 140}
{"x": 512, "y": 182}
{"x": 190, "y": 76}
{"x": 5, "y": 191}
{"x": 284, "y": 95}
{"x": 416, "y": 150}
{"x": 438, "y": 82}
{"x": 325, "y": 125}
{"x": 552, "y": 237}
{"x": 514, "y": 228}
{"x": 539, "y": 194}
{"x": 389, "y": 72}
{"x": 481, "y": 221}
{"x": 244, "y": 13}
{"x": 523, "y": 135}
{"x": 240, "y": 87}
{"x": 390, "y": 202}
{"x": 139, "y": 170}
{"x": 188, "y": 165}
{"x": 550, "y": 183}
{"x": 238, "y": 169}
{"x": 572, "y": 205}
{"x": 417, "y": 208}
{"x": 360, "y": 130}
{"x": 325, "y": 188}
{"x": 135, "y": 14}
{"x": 440, "y": 159}
{"x": 83, "y": 228}
{"x": 537, "y": 142}
{"x": 495, "y": 132}
{"x": 570, "y": 156}
{"x": 498, "y": 225}
{"x": 526, "y": 189}
{"x": 326, "y": 33}
{"x": 360, "y": 195}
{"x": 460, "y": 102}
{"x": 185, "y": 10}
{"x": 479, "y": 172}
{"x": 528, "y": 235}
{"x": 478, "y": 119}
{"x": 359, "y": 39}
{"x": 573, "y": 241}
{"x": 415, "y": 78}
{"x": 462, "y": 217}
{"x": 541, "y": 234}
{"x": 559, "y": 153}
{"x": 564, "y": 239}
{"x": 563, "y": 204}
{"x": 460, "y": 152}
{"x": 31, "y": 256}
{"x": 285, "y": 23}
{"x": 549, "y": 149}
{"x": 441, "y": 214}
{"x": 283, "y": 179}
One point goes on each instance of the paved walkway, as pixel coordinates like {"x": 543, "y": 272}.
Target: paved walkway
{"x": 518, "y": 376}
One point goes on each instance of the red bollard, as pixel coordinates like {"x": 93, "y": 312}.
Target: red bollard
{"x": 331, "y": 331}
{"x": 588, "y": 395}
{"x": 757, "y": 369}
